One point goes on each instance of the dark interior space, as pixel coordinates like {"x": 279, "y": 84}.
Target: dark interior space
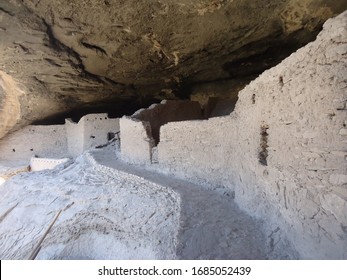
{"x": 114, "y": 110}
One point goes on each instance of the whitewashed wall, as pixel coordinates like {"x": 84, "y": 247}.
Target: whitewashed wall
{"x": 40, "y": 140}
{"x": 283, "y": 149}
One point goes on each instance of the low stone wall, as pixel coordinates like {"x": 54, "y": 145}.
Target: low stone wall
{"x": 283, "y": 149}
{"x": 38, "y": 164}
{"x": 56, "y": 141}
{"x": 168, "y": 111}
{"x": 140, "y": 132}
{"x": 40, "y": 140}
{"x": 198, "y": 149}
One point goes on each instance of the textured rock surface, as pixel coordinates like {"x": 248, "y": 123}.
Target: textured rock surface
{"x": 115, "y": 211}
{"x": 104, "y": 215}
{"x": 89, "y": 55}
{"x": 281, "y": 150}
{"x": 10, "y": 107}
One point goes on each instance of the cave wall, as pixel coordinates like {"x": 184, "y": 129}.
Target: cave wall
{"x": 218, "y": 98}
{"x": 283, "y": 149}
{"x": 10, "y": 110}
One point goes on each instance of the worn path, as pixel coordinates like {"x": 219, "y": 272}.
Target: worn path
{"x": 211, "y": 224}
{"x": 112, "y": 210}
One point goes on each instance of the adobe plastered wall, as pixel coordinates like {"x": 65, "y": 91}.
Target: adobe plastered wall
{"x": 136, "y": 141}
{"x": 39, "y": 140}
{"x": 92, "y": 130}
{"x": 38, "y": 164}
{"x": 140, "y": 132}
{"x": 283, "y": 149}
{"x": 75, "y": 132}
{"x": 96, "y": 129}
{"x": 168, "y": 111}
{"x": 57, "y": 141}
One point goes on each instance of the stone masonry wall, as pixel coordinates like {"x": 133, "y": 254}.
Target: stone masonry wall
{"x": 75, "y": 132}
{"x": 140, "y": 132}
{"x": 168, "y": 111}
{"x": 283, "y": 149}
{"x": 97, "y": 128}
{"x": 92, "y": 130}
{"x": 38, "y": 164}
{"x": 40, "y": 140}
{"x": 136, "y": 141}
{"x": 56, "y": 141}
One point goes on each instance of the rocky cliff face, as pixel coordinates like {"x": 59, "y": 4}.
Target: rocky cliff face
{"x": 62, "y": 56}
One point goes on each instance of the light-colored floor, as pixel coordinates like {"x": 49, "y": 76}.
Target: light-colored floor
{"x": 211, "y": 225}
{"x": 112, "y": 210}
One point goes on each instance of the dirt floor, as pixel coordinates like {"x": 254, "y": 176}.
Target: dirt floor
{"x": 112, "y": 210}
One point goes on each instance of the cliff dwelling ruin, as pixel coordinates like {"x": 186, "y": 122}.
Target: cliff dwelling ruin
{"x": 173, "y": 129}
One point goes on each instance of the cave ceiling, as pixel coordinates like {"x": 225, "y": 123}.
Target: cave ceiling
{"x": 66, "y": 54}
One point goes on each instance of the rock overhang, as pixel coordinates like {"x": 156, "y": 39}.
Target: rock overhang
{"x": 86, "y": 54}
